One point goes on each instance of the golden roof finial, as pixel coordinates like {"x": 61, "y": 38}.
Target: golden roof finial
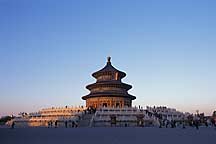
{"x": 109, "y": 59}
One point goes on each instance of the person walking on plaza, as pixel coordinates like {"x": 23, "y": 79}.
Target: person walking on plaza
{"x": 196, "y": 123}
{"x": 13, "y": 125}
{"x": 66, "y": 124}
{"x": 56, "y": 124}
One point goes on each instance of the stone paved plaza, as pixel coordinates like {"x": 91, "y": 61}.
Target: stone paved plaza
{"x": 107, "y": 136}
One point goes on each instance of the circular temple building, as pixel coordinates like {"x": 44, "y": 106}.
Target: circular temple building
{"x": 108, "y": 91}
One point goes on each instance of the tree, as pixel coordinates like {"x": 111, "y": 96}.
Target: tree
{"x": 214, "y": 114}
{"x": 5, "y": 119}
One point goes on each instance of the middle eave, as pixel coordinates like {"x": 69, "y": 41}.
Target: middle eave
{"x": 118, "y": 84}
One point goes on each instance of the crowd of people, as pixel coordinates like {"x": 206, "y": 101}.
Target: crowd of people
{"x": 56, "y": 124}
{"x": 190, "y": 121}
{"x": 90, "y": 110}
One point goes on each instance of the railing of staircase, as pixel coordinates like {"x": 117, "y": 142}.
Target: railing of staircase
{"x": 92, "y": 119}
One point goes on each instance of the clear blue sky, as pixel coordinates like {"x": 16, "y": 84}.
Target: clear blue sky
{"x": 49, "y": 49}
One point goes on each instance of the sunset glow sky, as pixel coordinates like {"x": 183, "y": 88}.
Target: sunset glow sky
{"x": 49, "y": 49}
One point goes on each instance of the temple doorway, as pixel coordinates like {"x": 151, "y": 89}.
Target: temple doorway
{"x": 104, "y": 104}
{"x": 117, "y": 105}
